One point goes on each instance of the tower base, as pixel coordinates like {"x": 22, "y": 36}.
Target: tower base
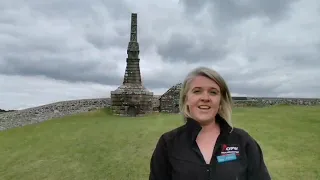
{"x": 131, "y": 100}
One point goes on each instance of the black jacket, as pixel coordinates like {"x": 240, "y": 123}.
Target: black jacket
{"x": 177, "y": 156}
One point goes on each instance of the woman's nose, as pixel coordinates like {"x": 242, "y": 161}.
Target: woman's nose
{"x": 205, "y": 96}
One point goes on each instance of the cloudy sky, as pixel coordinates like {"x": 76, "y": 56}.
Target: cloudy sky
{"x": 72, "y": 49}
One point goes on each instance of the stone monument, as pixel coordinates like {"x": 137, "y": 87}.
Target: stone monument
{"x": 132, "y": 98}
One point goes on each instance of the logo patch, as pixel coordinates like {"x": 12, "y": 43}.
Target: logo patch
{"x": 225, "y": 158}
{"x": 230, "y": 149}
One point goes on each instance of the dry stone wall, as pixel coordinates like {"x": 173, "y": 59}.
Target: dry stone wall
{"x": 169, "y": 104}
{"x": 267, "y": 101}
{"x": 55, "y": 110}
{"x": 155, "y": 103}
{"x": 169, "y": 101}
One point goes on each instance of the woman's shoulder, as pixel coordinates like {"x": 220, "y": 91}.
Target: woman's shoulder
{"x": 172, "y": 133}
{"x": 242, "y": 133}
{"x": 246, "y": 138}
{"x": 170, "y": 137}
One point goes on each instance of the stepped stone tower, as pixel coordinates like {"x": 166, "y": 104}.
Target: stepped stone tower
{"x": 132, "y": 98}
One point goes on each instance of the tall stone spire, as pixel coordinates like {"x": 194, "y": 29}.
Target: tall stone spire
{"x": 132, "y": 73}
{"x": 132, "y": 98}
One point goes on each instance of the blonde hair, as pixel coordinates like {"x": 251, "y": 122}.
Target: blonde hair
{"x": 225, "y": 110}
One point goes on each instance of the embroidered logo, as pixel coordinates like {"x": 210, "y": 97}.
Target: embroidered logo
{"x": 230, "y": 149}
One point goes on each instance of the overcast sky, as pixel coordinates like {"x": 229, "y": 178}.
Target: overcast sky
{"x": 57, "y": 50}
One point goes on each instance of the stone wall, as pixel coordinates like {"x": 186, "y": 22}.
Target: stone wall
{"x": 156, "y": 103}
{"x": 169, "y": 101}
{"x": 269, "y": 101}
{"x": 55, "y": 110}
{"x": 5, "y": 111}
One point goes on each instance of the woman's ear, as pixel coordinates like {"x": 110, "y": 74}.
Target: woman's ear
{"x": 186, "y": 100}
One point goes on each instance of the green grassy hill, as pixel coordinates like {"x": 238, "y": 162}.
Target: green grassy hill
{"x": 97, "y": 145}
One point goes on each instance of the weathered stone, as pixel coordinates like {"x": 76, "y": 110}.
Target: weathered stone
{"x": 270, "y": 101}
{"x": 156, "y": 103}
{"x": 169, "y": 101}
{"x": 132, "y": 98}
{"x": 60, "y": 109}
{"x": 39, "y": 114}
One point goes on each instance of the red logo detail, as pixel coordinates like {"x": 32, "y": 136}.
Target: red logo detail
{"x": 227, "y": 149}
{"x": 224, "y": 147}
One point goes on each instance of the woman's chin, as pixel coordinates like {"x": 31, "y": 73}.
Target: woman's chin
{"x": 205, "y": 119}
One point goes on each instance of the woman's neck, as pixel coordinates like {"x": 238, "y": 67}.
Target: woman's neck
{"x": 212, "y": 127}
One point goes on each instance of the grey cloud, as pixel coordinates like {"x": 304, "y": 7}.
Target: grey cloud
{"x": 55, "y": 58}
{"x": 194, "y": 7}
{"x": 228, "y": 12}
{"x": 61, "y": 68}
{"x": 255, "y": 81}
{"x": 120, "y": 40}
{"x": 299, "y": 56}
{"x": 257, "y": 89}
{"x": 165, "y": 80}
{"x": 159, "y": 83}
{"x": 231, "y": 10}
{"x": 79, "y": 9}
{"x": 82, "y": 41}
{"x": 304, "y": 60}
{"x": 105, "y": 23}
{"x": 192, "y": 49}
{"x": 19, "y": 92}
{"x": 49, "y": 40}
{"x": 103, "y": 41}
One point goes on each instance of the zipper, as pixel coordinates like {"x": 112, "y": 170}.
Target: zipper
{"x": 217, "y": 147}
{"x": 198, "y": 152}
{"x": 211, "y": 166}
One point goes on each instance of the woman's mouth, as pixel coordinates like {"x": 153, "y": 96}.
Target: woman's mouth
{"x": 204, "y": 107}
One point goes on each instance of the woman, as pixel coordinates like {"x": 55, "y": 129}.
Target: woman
{"x": 207, "y": 146}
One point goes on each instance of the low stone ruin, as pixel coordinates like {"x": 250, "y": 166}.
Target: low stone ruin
{"x": 169, "y": 101}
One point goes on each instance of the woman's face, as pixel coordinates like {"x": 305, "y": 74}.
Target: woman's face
{"x": 203, "y": 99}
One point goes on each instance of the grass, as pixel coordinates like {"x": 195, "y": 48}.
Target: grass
{"x": 97, "y": 145}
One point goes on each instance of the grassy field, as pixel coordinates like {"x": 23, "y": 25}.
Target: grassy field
{"x": 97, "y": 145}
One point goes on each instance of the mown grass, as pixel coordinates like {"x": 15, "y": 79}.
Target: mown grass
{"x": 97, "y": 145}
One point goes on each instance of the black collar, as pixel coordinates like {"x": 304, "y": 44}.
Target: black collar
{"x": 193, "y": 127}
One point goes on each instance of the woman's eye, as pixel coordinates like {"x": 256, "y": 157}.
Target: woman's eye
{"x": 214, "y": 92}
